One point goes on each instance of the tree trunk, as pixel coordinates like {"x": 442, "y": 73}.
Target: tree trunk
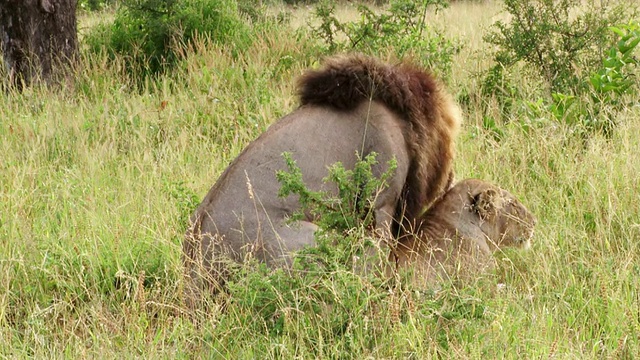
{"x": 38, "y": 38}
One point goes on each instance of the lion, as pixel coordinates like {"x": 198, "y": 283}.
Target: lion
{"x": 354, "y": 106}
{"x": 461, "y": 231}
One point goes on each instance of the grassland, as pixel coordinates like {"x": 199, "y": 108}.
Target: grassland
{"x": 97, "y": 180}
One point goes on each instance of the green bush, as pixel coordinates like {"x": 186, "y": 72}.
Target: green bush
{"x": 561, "y": 40}
{"x": 607, "y": 91}
{"x": 148, "y": 33}
{"x": 402, "y": 28}
{"x": 343, "y": 220}
{"x": 607, "y": 87}
{"x": 566, "y": 45}
{"x": 357, "y": 190}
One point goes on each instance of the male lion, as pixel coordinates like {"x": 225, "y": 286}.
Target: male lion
{"x": 353, "y": 106}
{"x": 459, "y": 233}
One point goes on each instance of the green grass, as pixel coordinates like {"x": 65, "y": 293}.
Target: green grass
{"x": 97, "y": 181}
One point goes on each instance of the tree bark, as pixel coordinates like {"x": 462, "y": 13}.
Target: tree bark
{"x": 38, "y": 38}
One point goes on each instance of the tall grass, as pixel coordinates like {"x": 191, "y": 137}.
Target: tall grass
{"x": 97, "y": 180}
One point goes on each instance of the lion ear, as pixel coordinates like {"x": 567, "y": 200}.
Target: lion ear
{"x": 487, "y": 203}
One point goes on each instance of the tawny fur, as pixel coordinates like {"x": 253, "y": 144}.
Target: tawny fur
{"x": 346, "y": 81}
{"x": 461, "y": 231}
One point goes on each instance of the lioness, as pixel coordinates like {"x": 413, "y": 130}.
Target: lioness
{"x": 353, "y": 105}
{"x": 459, "y": 233}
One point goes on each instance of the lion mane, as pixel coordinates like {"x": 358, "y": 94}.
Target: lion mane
{"x": 416, "y": 96}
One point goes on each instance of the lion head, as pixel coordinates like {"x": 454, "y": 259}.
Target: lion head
{"x": 503, "y": 219}
{"x": 464, "y": 227}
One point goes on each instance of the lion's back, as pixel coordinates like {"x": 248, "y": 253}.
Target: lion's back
{"x": 316, "y": 137}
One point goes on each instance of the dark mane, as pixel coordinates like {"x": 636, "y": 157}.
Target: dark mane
{"x": 416, "y": 96}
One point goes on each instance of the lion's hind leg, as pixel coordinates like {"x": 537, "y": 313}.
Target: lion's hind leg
{"x": 205, "y": 268}
{"x": 288, "y": 238}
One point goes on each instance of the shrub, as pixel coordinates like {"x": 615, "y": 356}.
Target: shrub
{"x": 357, "y": 190}
{"x": 556, "y": 37}
{"x": 607, "y": 86}
{"x": 344, "y": 220}
{"x": 567, "y": 46}
{"x": 401, "y": 28}
{"x": 148, "y": 32}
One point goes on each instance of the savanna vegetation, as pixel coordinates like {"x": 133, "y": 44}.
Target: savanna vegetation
{"x": 99, "y": 175}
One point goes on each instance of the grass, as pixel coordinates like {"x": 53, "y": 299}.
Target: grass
{"x": 97, "y": 181}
